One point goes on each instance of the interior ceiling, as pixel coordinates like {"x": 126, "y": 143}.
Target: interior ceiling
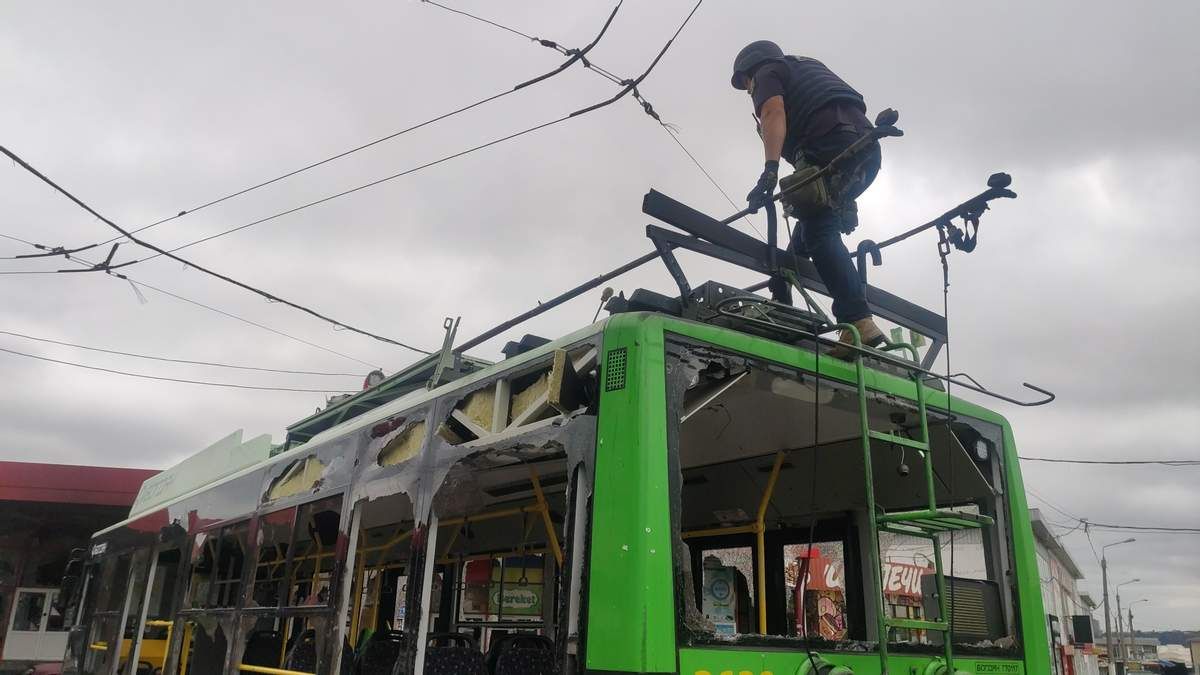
{"x": 764, "y": 412}
{"x": 467, "y": 492}
{"x": 728, "y": 446}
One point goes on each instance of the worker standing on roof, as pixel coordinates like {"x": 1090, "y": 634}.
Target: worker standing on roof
{"x": 808, "y": 115}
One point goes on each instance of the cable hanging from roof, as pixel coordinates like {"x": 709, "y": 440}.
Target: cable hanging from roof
{"x": 171, "y": 360}
{"x": 173, "y": 379}
{"x": 79, "y": 260}
{"x": 269, "y": 296}
{"x": 575, "y": 55}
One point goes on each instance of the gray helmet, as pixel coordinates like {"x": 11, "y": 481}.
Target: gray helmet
{"x": 751, "y": 56}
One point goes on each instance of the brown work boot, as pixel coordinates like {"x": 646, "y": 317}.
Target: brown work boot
{"x": 867, "y": 331}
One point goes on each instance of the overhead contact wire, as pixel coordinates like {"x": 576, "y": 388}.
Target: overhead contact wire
{"x": 619, "y": 81}
{"x": 629, "y": 86}
{"x": 483, "y": 20}
{"x": 270, "y": 296}
{"x": 172, "y": 360}
{"x": 170, "y": 379}
{"x": 576, "y": 55}
{"x": 85, "y": 263}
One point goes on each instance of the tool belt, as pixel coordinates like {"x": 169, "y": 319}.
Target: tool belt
{"x": 834, "y": 192}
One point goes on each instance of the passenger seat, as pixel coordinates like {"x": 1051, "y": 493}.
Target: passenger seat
{"x": 263, "y": 648}
{"x": 303, "y": 655}
{"x": 525, "y": 654}
{"x": 453, "y": 654}
{"x": 381, "y": 652}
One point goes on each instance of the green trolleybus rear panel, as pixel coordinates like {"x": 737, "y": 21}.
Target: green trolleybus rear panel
{"x": 703, "y": 560}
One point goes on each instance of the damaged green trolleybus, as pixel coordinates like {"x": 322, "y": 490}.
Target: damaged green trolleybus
{"x": 689, "y": 485}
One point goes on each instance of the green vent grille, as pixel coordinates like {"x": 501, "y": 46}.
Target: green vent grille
{"x": 614, "y": 370}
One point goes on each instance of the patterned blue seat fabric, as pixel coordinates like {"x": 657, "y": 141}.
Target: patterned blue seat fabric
{"x": 522, "y": 661}
{"x": 453, "y": 654}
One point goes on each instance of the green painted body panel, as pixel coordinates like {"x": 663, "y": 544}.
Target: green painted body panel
{"x": 631, "y": 602}
{"x": 631, "y": 606}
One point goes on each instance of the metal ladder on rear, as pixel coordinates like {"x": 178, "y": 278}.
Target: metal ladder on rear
{"x": 928, "y": 523}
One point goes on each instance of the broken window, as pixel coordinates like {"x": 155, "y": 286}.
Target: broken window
{"x": 205, "y": 645}
{"x": 274, "y": 542}
{"x": 314, "y": 547}
{"x": 104, "y": 638}
{"x": 287, "y": 621}
{"x": 498, "y": 572}
{"x": 379, "y": 595}
{"x": 771, "y": 502}
{"x": 217, "y": 559}
{"x": 500, "y": 546}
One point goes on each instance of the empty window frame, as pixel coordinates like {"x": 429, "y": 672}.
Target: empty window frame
{"x": 217, "y": 563}
{"x": 744, "y": 436}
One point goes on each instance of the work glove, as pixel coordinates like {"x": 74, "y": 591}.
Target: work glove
{"x": 765, "y": 187}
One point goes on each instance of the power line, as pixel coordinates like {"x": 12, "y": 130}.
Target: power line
{"x": 1088, "y": 533}
{"x": 1086, "y": 523}
{"x": 269, "y": 296}
{"x": 675, "y": 137}
{"x": 574, "y": 54}
{"x": 1051, "y": 505}
{"x": 1149, "y": 529}
{"x": 483, "y": 20}
{"x": 615, "y": 79}
{"x": 1162, "y": 462}
{"x": 86, "y": 263}
{"x": 169, "y": 252}
{"x": 629, "y": 86}
{"x": 171, "y": 379}
{"x": 170, "y": 360}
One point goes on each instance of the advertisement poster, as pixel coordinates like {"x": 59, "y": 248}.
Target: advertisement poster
{"x": 720, "y": 597}
{"x": 824, "y": 602}
{"x": 520, "y": 595}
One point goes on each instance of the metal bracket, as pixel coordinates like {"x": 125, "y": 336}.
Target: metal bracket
{"x": 103, "y": 266}
{"x": 446, "y": 356}
{"x": 666, "y": 252}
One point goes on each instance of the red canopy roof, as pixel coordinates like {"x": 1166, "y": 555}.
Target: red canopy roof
{"x": 68, "y": 484}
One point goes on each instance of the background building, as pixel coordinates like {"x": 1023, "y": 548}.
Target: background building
{"x": 1069, "y": 622}
{"x": 48, "y": 510}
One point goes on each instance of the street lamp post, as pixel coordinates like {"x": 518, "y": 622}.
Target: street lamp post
{"x": 1120, "y": 638}
{"x": 1112, "y": 667}
{"x": 1132, "y": 634}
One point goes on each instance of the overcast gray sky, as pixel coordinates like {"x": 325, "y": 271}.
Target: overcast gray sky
{"x": 1087, "y": 284}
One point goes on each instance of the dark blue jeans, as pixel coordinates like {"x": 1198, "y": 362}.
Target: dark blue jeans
{"x": 820, "y": 234}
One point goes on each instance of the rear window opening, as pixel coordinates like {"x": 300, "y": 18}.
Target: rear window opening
{"x": 770, "y": 504}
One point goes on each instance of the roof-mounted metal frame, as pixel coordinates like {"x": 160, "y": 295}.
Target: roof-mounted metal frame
{"x": 708, "y": 236}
